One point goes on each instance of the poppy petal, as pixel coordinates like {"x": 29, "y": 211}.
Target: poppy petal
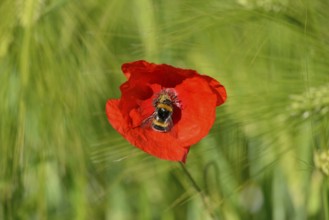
{"x": 148, "y": 140}
{"x": 115, "y": 117}
{"x": 158, "y": 144}
{"x": 135, "y": 67}
{"x": 218, "y": 89}
{"x": 163, "y": 74}
{"x": 198, "y": 114}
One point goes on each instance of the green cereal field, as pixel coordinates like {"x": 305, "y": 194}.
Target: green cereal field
{"x": 266, "y": 156}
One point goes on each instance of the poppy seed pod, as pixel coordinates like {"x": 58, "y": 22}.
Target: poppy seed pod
{"x": 163, "y": 110}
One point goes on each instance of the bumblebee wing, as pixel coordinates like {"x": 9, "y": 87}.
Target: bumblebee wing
{"x": 170, "y": 124}
{"x": 147, "y": 122}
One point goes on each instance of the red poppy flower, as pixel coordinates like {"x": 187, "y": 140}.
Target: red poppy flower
{"x": 163, "y": 110}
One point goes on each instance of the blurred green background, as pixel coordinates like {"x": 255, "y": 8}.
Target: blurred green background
{"x": 60, "y": 61}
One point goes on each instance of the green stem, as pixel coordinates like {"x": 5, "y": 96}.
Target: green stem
{"x": 325, "y": 198}
{"x": 203, "y": 196}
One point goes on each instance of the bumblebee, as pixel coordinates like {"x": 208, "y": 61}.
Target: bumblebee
{"x": 161, "y": 119}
